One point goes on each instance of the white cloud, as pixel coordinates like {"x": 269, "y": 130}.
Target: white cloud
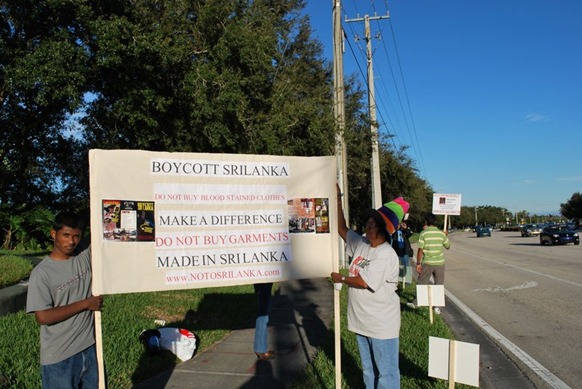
{"x": 574, "y": 178}
{"x": 536, "y": 117}
{"x": 527, "y": 182}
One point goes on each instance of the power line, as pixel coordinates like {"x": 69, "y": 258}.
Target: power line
{"x": 374, "y": 99}
{"x": 393, "y": 118}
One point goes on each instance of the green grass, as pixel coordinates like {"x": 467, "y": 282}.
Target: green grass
{"x": 211, "y": 313}
{"x": 13, "y": 269}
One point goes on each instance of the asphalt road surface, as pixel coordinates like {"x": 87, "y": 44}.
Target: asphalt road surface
{"x": 530, "y": 294}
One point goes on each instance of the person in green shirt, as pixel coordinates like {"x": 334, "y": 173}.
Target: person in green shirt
{"x": 430, "y": 258}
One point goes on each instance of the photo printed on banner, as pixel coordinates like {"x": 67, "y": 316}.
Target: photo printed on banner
{"x": 128, "y": 220}
{"x": 308, "y": 215}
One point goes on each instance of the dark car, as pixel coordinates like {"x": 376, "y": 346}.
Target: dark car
{"x": 558, "y": 234}
{"x": 482, "y": 231}
{"x": 530, "y": 230}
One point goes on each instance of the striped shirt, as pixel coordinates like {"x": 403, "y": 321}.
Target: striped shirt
{"x": 431, "y": 241}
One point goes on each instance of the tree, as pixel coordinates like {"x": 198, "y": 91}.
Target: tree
{"x": 572, "y": 209}
{"x": 223, "y": 76}
{"x": 209, "y": 76}
{"x": 216, "y": 76}
{"x": 486, "y": 214}
{"x": 42, "y": 75}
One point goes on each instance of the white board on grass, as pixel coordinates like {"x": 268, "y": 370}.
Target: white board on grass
{"x": 466, "y": 368}
{"x": 437, "y": 295}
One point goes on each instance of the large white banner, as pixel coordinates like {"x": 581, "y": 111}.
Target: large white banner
{"x": 162, "y": 221}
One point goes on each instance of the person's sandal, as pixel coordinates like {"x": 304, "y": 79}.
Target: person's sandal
{"x": 264, "y": 356}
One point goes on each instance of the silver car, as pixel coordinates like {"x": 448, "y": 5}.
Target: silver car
{"x": 530, "y": 230}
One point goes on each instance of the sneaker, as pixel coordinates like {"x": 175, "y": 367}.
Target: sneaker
{"x": 411, "y": 305}
{"x": 437, "y": 310}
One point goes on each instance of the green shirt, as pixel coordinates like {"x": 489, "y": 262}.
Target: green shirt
{"x": 431, "y": 241}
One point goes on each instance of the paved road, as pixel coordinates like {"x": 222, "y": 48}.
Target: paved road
{"x": 529, "y": 293}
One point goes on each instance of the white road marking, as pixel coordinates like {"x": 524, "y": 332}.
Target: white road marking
{"x": 500, "y": 262}
{"x": 525, "y": 358}
{"x": 525, "y": 285}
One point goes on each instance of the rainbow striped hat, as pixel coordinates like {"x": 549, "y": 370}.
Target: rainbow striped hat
{"x": 393, "y": 212}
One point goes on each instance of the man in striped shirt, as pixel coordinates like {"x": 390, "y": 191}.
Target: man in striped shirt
{"x": 430, "y": 259}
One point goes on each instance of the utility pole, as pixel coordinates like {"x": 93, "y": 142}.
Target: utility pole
{"x": 339, "y": 111}
{"x": 340, "y": 117}
{"x": 375, "y": 163}
{"x": 339, "y": 108}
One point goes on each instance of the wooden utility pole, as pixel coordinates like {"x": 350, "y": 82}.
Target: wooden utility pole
{"x": 339, "y": 104}
{"x": 375, "y": 163}
{"x": 339, "y": 110}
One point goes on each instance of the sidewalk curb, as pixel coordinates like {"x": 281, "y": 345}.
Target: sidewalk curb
{"x": 497, "y": 370}
{"x": 13, "y": 298}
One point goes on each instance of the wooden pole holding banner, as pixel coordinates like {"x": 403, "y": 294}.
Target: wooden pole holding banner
{"x": 452, "y": 357}
{"x": 337, "y": 318}
{"x": 337, "y": 313}
{"x": 96, "y": 290}
{"x": 99, "y": 350}
{"x": 337, "y": 337}
{"x": 337, "y": 323}
{"x": 445, "y": 224}
{"x": 430, "y": 313}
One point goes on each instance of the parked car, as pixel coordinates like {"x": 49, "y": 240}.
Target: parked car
{"x": 530, "y": 230}
{"x": 482, "y": 231}
{"x": 558, "y": 234}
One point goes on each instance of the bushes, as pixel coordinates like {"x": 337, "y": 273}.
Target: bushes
{"x": 13, "y": 269}
{"x": 25, "y": 228}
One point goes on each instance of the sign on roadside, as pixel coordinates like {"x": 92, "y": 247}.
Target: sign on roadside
{"x": 446, "y": 204}
{"x": 453, "y": 361}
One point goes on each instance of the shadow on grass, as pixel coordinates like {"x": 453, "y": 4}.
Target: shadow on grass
{"x": 216, "y": 311}
{"x": 295, "y": 331}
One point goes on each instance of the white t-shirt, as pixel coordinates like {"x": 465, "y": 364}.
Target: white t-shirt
{"x": 373, "y": 312}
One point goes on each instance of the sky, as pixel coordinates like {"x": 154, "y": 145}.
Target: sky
{"x": 486, "y": 94}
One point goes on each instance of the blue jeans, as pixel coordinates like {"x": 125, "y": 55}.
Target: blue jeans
{"x": 263, "y": 292}
{"x": 379, "y": 362}
{"x": 404, "y": 261}
{"x": 77, "y": 371}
